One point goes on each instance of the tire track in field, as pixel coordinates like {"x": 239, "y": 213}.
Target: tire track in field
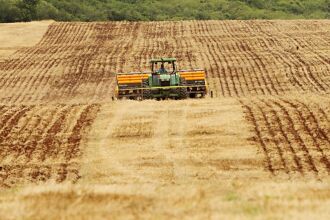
{"x": 100, "y": 160}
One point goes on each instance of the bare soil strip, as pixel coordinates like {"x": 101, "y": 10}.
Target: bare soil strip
{"x": 42, "y": 143}
{"x": 292, "y": 134}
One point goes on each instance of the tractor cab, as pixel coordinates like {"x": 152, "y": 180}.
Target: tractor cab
{"x": 163, "y": 66}
{"x": 164, "y": 72}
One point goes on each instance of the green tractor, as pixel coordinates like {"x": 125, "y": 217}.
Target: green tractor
{"x": 164, "y": 81}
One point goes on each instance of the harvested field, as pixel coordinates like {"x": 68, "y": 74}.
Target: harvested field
{"x": 76, "y": 62}
{"x": 20, "y": 35}
{"x": 259, "y": 150}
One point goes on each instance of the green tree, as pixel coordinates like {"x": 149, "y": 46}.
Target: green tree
{"x": 28, "y": 9}
{"x": 9, "y": 12}
{"x": 149, "y": 10}
{"x": 327, "y": 8}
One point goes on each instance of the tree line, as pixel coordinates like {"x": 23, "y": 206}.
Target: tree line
{"x": 157, "y": 10}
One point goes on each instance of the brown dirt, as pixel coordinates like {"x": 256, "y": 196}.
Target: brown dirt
{"x": 41, "y": 143}
{"x": 294, "y": 134}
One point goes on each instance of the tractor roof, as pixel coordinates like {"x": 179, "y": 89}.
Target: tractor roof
{"x": 163, "y": 60}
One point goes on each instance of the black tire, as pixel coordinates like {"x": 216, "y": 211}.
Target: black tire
{"x": 146, "y": 92}
{"x": 192, "y": 95}
{"x": 182, "y": 91}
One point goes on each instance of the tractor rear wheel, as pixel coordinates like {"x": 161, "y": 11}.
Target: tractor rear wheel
{"x": 146, "y": 92}
{"x": 182, "y": 91}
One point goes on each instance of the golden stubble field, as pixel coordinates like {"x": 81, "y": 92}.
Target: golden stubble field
{"x": 259, "y": 150}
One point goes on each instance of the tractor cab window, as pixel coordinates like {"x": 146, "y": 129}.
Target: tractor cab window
{"x": 163, "y": 67}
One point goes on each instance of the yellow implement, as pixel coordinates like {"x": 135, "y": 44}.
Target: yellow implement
{"x": 193, "y": 75}
{"x": 131, "y": 78}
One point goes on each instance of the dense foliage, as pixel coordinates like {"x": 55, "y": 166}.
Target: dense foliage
{"x": 146, "y": 10}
